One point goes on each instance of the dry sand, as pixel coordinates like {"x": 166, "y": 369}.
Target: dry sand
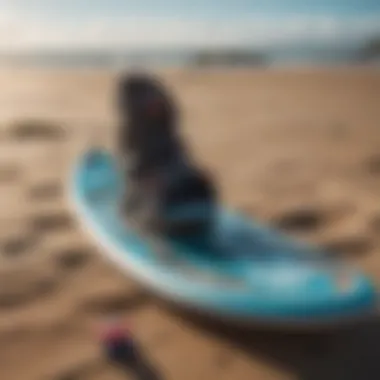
{"x": 300, "y": 149}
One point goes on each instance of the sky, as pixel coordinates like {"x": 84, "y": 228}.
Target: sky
{"x": 61, "y": 24}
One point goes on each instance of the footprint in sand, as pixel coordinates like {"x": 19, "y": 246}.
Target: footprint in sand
{"x": 73, "y": 258}
{"x": 349, "y": 245}
{"x": 33, "y": 130}
{"x": 9, "y": 173}
{"x": 375, "y": 223}
{"x": 300, "y": 220}
{"x": 109, "y": 302}
{"x": 16, "y": 246}
{"x": 373, "y": 165}
{"x": 67, "y": 376}
{"x": 51, "y": 221}
{"x": 20, "y": 287}
{"x": 45, "y": 191}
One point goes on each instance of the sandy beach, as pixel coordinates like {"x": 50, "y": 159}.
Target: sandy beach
{"x": 299, "y": 149}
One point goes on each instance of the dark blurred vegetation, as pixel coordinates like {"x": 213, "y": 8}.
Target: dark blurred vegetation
{"x": 233, "y": 57}
{"x": 371, "y": 50}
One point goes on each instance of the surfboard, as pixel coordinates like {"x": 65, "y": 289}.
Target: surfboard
{"x": 247, "y": 272}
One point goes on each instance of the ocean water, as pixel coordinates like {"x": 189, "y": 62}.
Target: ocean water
{"x": 298, "y": 54}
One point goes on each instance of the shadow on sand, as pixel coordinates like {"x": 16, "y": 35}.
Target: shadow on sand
{"x": 132, "y": 361}
{"x": 352, "y": 353}
{"x": 144, "y": 370}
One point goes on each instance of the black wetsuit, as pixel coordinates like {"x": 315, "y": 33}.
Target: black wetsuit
{"x": 151, "y": 151}
{"x": 148, "y": 138}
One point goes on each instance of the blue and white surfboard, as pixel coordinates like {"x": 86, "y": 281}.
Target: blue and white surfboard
{"x": 250, "y": 273}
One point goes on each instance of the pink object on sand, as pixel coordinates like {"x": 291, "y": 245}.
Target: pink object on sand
{"x": 114, "y": 330}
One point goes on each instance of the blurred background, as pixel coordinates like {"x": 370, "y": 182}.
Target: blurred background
{"x": 179, "y": 33}
{"x": 279, "y": 98}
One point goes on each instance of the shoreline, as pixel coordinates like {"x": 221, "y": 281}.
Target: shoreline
{"x": 211, "y": 69}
